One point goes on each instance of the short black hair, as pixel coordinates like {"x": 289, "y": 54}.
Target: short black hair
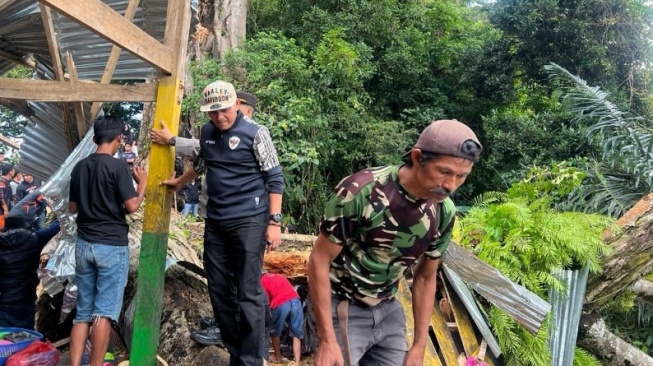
{"x": 106, "y": 129}
{"x": 426, "y": 157}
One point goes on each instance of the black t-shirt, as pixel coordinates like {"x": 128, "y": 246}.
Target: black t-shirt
{"x": 100, "y": 185}
{"x": 25, "y": 188}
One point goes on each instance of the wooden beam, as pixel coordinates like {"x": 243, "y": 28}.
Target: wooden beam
{"x": 446, "y": 345}
{"x": 54, "y": 91}
{"x": 78, "y": 107}
{"x": 99, "y": 18}
{"x": 113, "y": 60}
{"x": 405, "y": 297}
{"x": 12, "y": 144}
{"x": 156, "y": 221}
{"x": 5, "y": 3}
{"x": 17, "y": 60}
{"x": 57, "y": 67}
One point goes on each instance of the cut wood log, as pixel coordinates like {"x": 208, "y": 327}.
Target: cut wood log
{"x": 614, "y": 351}
{"x": 643, "y": 289}
{"x": 630, "y": 259}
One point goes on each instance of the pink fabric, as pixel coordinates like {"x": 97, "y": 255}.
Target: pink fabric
{"x": 278, "y": 289}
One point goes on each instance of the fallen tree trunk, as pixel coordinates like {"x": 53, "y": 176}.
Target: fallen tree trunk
{"x": 614, "y": 351}
{"x": 643, "y": 289}
{"x": 631, "y": 258}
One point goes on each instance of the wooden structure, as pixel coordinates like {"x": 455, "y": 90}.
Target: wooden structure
{"x": 168, "y": 58}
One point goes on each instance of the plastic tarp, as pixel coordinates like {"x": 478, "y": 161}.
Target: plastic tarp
{"x": 59, "y": 274}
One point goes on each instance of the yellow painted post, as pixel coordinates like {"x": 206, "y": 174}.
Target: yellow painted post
{"x": 156, "y": 221}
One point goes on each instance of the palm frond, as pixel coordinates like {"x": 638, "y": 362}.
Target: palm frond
{"x": 626, "y": 140}
{"x": 607, "y": 191}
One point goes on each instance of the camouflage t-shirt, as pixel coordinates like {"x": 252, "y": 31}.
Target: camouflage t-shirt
{"x": 383, "y": 230}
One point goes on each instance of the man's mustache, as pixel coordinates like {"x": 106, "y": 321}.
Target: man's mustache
{"x": 440, "y": 191}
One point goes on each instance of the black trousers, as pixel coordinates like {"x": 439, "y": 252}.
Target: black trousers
{"x": 233, "y": 254}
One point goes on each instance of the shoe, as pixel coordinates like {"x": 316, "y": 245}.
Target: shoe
{"x": 207, "y": 337}
{"x": 207, "y": 322}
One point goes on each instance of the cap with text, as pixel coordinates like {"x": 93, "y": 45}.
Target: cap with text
{"x": 217, "y": 96}
{"x": 450, "y": 137}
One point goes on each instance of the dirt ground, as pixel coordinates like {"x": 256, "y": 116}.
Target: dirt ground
{"x": 185, "y": 299}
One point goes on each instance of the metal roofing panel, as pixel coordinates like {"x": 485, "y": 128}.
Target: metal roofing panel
{"x": 91, "y": 51}
{"x": 567, "y": 310}
{"x": 21, "y": 34}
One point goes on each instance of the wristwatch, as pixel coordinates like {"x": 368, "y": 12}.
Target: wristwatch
{"x": 172, "y": 141}
{"x": 276, "y": 217}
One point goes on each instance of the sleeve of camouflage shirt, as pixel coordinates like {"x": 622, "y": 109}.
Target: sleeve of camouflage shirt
{"x": 439, "y": 246}
{"x": 342, "y": 214}
{"x": 199, "y": 165}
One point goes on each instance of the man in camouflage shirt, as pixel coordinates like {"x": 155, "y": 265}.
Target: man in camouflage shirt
{"x": 378, "y": 223}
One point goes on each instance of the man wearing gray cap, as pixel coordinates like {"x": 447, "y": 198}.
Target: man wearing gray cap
{"x": 379, "y": 222}
{"x": 245, "y": 185}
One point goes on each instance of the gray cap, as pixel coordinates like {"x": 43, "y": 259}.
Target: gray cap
{"x": 449, "y": 137}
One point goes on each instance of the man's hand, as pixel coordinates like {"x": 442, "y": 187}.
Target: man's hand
{"x": 329, "y": 354}
{"x": 273, "y": 237}
{"x": 162, "y": 136}
{"x": 140, "y": 174}
{"x": 174, "y": 184}
{"x": 414, "y": 357}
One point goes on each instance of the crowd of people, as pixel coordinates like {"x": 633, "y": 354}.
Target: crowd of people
{"x": 378, "y": 223}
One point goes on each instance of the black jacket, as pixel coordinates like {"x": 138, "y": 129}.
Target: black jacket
{"x": 242, "y": 169}
{"x": 192, "y": 192}
{"x": 20, "y": 252}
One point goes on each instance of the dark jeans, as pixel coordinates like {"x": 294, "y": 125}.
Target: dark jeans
{"x": 233, "y": 251}
{"x": 18, "y": 316}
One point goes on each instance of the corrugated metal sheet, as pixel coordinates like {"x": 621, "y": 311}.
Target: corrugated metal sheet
{"x": 21, "y": 33}
{"x": 567, "y": 309}
{"x": 467, "y": 298}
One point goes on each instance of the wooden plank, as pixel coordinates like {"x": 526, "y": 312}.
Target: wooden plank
{"x": 5, "y": 3}
{"x": 17, "y": 60}
{"x": 405, "y": 297}
{"x": 48, "y": 27}
{"x": 77, "y": 106}
{"x": 99, "y": 18}
{"x": 156, "y": 219}
{"x": 446, "y": 344}
{"x": 112, "y": 61}
{"x": 54, "y": 91}
{"x": 465, "y": 326}
{"x": 5, "y": 140}
{"x": 57, "y": 67}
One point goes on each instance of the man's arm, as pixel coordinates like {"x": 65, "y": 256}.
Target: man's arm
{"x": 273, "y": 233}
{"x": 3, "y": 203}
{"x": 187, "y": 147}
{"x": 183, "y": 147}
{"x": 319, "y": 285}
{"x": 48, "y": 233}
{"x": 72, "y": 207}
{"x": 140, "y": 176}
{"x": 424, "y": 284}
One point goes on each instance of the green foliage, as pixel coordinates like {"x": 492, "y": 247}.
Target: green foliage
{"x": 12, "y": 124}
{"x": 523, "y": 236}
{"x": 625, "y": 171}
{"x": 316, "y": 108}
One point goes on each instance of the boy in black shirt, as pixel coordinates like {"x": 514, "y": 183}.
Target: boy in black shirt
{"x": 101, "y": 192}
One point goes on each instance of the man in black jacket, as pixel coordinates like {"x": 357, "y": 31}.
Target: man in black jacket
{"x": 20, "y": 251}
{"x": 245, "y": 186}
